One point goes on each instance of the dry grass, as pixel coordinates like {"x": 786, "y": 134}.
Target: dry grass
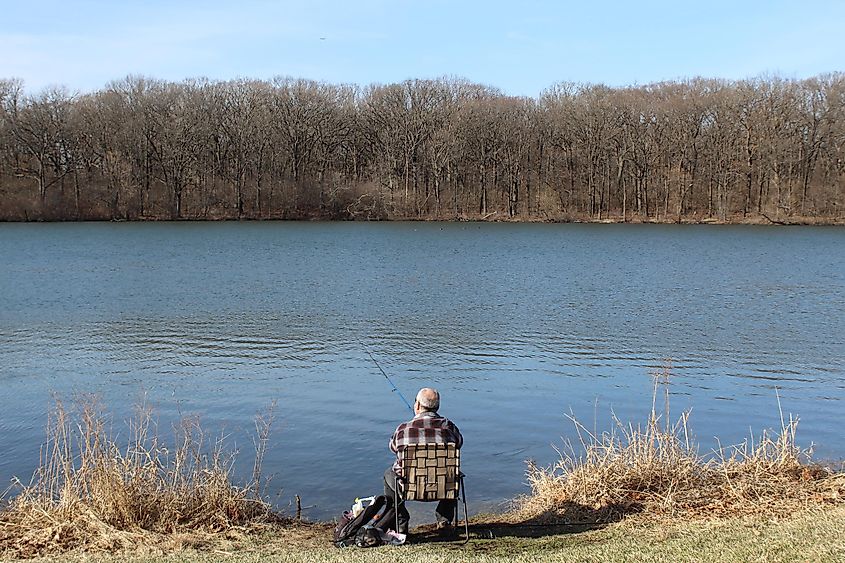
{"x": 150, "y": 502}
{"x": 655, "y": 470}
{"x": 96, "y": 493}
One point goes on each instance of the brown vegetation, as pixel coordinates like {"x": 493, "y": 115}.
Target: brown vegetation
{"x": 95, "y": 494}
{"x": 92, "y": 494}
{"x": 655, "y": 470}
{"x": 698, "y": 150}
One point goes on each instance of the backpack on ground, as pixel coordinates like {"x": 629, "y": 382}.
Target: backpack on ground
{"x": 366, "y": 529}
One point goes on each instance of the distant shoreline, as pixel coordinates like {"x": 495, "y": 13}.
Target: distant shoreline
{"x": 739, "y": 220}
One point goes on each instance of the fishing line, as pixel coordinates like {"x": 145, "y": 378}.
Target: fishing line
{"x": 387, "y": 377}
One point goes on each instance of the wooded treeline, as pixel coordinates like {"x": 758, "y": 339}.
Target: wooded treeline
{"x": 687, "y": 150}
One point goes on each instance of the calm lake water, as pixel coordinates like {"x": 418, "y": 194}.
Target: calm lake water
{"x": 515, "y": 324}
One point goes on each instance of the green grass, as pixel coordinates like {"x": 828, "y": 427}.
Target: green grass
{"x": 817, "y": 535}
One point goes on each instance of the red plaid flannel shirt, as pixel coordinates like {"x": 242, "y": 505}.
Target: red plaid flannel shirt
{"x": 424, "y": 428}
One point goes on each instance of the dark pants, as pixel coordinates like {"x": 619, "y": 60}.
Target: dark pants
{"x": 445, "y": 508}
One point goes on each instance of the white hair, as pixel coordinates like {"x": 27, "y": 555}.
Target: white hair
{"x": 429, "y": 399}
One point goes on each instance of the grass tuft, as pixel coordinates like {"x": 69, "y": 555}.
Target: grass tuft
{"x": 654, "y": 469}
{"x": 95, "y": 492}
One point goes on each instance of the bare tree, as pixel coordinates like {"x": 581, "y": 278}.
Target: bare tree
{"x": 289, "y": 148}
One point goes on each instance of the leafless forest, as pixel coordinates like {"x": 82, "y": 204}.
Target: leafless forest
{"x": 693, "y": 150}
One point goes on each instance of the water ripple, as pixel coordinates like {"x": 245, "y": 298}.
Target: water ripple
{"x": 516, "y": 324}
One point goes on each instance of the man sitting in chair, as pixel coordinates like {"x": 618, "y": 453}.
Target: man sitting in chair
{"x": 427, "y": 427}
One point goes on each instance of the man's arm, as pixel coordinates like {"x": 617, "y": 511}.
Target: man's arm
{"x": 394, "y": 440}
{"x": 456, "y": 435}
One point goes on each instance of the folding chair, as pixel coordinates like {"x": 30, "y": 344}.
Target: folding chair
{"x": 432, "y": 472}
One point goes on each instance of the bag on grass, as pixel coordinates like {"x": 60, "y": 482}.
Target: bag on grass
{"x": 368, "y": 537}
{"x": 352, "y": 530}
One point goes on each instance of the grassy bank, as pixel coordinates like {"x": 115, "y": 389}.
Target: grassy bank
{"x": 634, "y": 493}
{"x": 656, "y": 469}
{"x": 99, "y": 491}
{"x": 815, "y": 535}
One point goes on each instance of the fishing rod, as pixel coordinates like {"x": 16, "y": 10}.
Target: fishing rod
{"x": 396, "y": 389}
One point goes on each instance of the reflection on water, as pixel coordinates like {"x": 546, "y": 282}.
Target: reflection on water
{"x": 516, "y": 324}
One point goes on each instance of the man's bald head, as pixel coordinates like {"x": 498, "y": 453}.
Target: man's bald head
{"x": 428, "y": 399}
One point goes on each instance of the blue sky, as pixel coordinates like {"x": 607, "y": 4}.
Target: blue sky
{"x": 520, "y": 47}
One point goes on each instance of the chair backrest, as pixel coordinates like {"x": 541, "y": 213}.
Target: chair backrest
{"x": 431, "y": 471}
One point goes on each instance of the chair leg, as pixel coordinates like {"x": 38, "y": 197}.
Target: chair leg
{"x": 396, "y": 504}
{"x": 466, "y": 513}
